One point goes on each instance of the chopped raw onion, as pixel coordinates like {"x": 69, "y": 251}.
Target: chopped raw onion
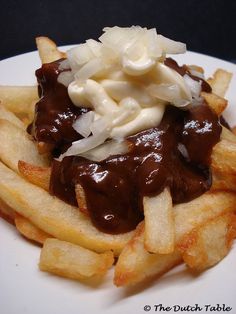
{"x": 101, "y": 131}
{"x": 123, "y": 79}
{"x": 84, "y": 145}
{"x": 82, "y": 125}
{"x": 166, "y": 75}
{"x": 65, "y": 78}
{"x": 169, "y": 93}
{"x": 171, "y": 46}
{"x": 197, "y": 74}
{"x": 89, "y": 69}
{"x": 95, "y": 47}
{"x": 79, "y": 55}
{"x": 117, "y": 37}
{"x": 110, "y": 148}
{"x": 99, "y": 125}
{"x": 181, "y": 103}
{"x": 154, "y": 49}
{"x": 64, "y": 65}
{"x": 194, "y": 86}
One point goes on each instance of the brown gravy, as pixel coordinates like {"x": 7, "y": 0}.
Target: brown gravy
{"x": 175, "y": 154}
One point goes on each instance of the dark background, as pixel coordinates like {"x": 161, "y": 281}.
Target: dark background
{"x": 206, "y": 26}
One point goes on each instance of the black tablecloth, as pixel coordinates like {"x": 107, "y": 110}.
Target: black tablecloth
{"x": 206, "y": 26}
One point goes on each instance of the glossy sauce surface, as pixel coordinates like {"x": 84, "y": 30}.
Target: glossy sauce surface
{"x": 175, "y": 154}
{"x": 54, "y": 113}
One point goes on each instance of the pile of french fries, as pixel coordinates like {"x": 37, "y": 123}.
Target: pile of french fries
{"x": 199, "y": 233}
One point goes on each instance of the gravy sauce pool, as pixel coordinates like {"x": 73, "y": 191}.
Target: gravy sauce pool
{"x": 175, "y": 154}
{"x": 54, "y": 113}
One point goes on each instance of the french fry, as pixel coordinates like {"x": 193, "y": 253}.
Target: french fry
{"x": 159, "y": 223}
{"x": 215, "y": 102}
{"x": 196, "y": 68}
{"x": 6, "y": 212}
{"x": 228, "y": 135}
{"x": 222, "y": 182}
{"x": 208, "y": 206}
{"x": 220, "y": 82}
{"x": 19, "y": 99}
{"x": 48, "y": 50}
{"x": 223, "y": 163}
{"x": 54, "y": 216}
{"x": 39, "y": 176}
{"x": 11, "y": 117}
{"x": 17, "y": 145}
{"x": 29, "y": 230}
{"x": 210, "y": 243}
{"x": 135, "y": 264}
{"x": 81, "y": 199}
{"x": 223, "y": 157}
{"x": 73, "y": 261}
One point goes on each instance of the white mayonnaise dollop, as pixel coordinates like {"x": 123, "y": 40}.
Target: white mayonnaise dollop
{"x": 122, "y": 78}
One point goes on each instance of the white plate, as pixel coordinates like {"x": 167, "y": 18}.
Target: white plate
{"x": 24, "y": 289}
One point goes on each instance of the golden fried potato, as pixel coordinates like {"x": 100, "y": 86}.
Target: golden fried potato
{"x": 136, "y": 264}
{"x": 228, "y": 135}
{"x": 217, "y": 103}
{"x": 29, "y": 230}
{"x": 220, "y": 82}
{"x": 54, "y": 216}
{"x": 222, "y": 182}
{"x": 223, "y": 157}
{"x": 19, "y": 99}
{"x": 193, "y": 214}
{"x": 223, "y": 163}
{"x": 48, "y": 50}
{"x": 39, "y": 176}
{"x": 81, "y": 199}
{"x": 17, "y": 145}
{"x": 159, "y": 223}
{"x": 196, "y": 68}
{"x": 209, "y": 243}
{"x": 6, "y": 212}
{"x": 73, "y": 261}
{"x": 11, "y": 117}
